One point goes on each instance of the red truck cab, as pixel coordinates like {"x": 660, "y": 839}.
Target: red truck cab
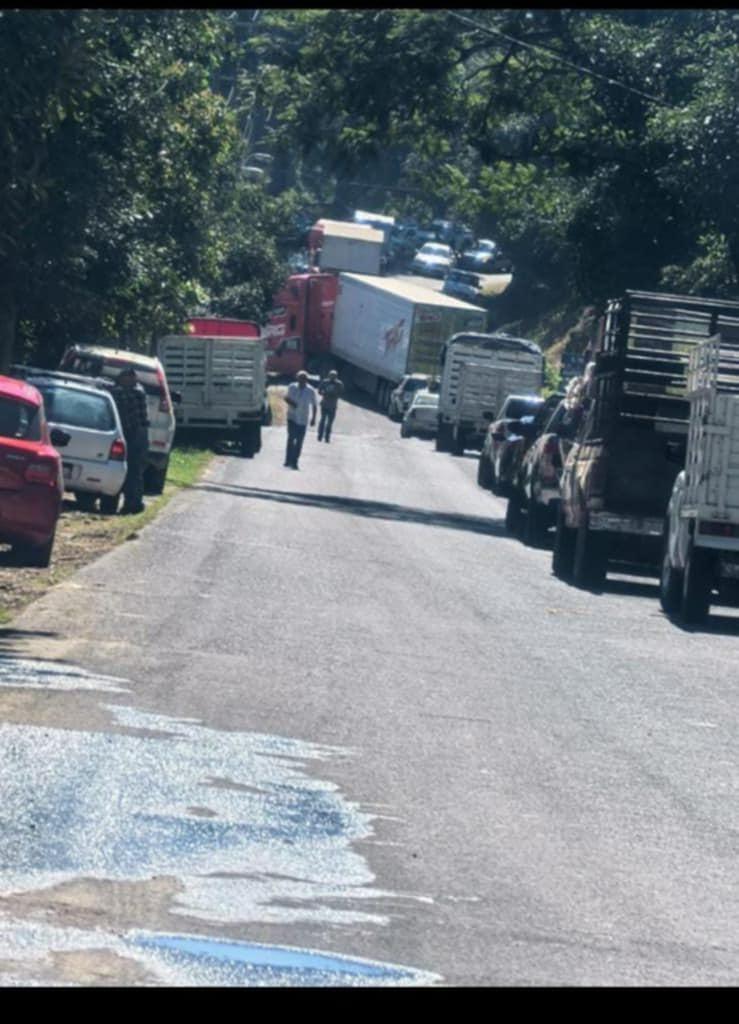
{"x": 299, "y": 327}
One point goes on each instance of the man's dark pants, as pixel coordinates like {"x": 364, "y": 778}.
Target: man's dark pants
{"x": 325, "y": 423}
{"x": 295, "y": 435}
{"x": 133, "y": 486}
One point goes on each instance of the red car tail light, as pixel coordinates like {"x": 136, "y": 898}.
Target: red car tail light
{"x": 164, "y": 403}
{"x": 43, "y": 471}
{"x": 117, "y": 450}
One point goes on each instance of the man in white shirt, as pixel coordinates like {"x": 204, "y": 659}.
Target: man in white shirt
{"x": 301, "y": 398}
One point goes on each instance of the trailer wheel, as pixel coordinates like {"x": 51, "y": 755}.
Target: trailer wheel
{"x": 591, "y": 557}
{"x": 564, "y": 548}
{"x": 697, "y": 582}
{"x": 484, "y": 472}
{"x": 458, "y": 440}
{"x": 670, "y": 584}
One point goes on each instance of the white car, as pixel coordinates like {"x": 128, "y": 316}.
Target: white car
{"x": 97, "y": 361}
{"x": 434, "y": 259}
{"x": 402, "y": 396}
{"x": 423, "y": 416}
{"x": 94, "y": 460}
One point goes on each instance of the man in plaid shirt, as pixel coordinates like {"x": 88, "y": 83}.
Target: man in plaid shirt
{"x": 130, "y": 398}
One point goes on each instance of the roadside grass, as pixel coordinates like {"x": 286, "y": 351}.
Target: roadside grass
{"x": 83, "y": 537}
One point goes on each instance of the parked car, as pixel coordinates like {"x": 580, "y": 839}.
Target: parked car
{"x": 496, "y": 457}
{"x": 422, "y": 418}
{"x": 31, "y": 486}
{"x": 541, "y": 471}
{"x": 485, "y": 257}
{"x": 94, "y": 461}
{"x": 433, "y": 259}
{"x": 98, "y": 361}
{"x": 402, "y": 396}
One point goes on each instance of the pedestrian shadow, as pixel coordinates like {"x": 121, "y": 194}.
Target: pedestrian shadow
{"x": 366, "y": 508}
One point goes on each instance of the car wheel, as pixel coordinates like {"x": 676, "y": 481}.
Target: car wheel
{"x": 591, "y": 557}
{"x": 535, "y": 532}
{"x": 404, "y": 430}
{"x": 697, "y": 582}
{"x": 35, "y": 556}
{"x": 155, "y": 477}
{"x": 444, "y": 438}
{"x": 85, "y": 501}
{"x": 564, "y": 548}
{"x": 484, "y": 472}
{"x": 458, "y": 440}
{"x": 109, "y": 503}
{"x": 514, "y": 516}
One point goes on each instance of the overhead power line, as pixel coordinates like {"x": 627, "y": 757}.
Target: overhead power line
{"x": 553, "y": 55}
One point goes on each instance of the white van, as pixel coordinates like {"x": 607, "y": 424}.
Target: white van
{"x": 98, "y": 361}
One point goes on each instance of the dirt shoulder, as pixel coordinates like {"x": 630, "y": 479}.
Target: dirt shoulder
{"x": 84, "y": 536}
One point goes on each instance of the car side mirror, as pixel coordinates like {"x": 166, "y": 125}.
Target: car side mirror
{"x": 60, "y": 438}
{"x": 176, "y": 397}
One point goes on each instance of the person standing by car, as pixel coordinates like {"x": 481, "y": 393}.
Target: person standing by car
{"x": 301, "y": 398}
{"x": 130, "y": 398}
{"x": 331, "y": 390}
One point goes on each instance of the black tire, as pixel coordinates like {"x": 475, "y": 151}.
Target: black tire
{"x": 484, "y": 472}
{"x": 35, "y": 557}
{"x": 257, "y": 434}
{"x": 155, "y": 478}
{"x": 670, "y": 584}
{"x": 591, "y": 557}
{"x": 563, "y": 555}
{"x": 535, "y": 530}
{"x": 514, "y": 516}
{"x": 85, "y": 501}
{"x": 444, "y": 438}
{"x": 404, "y": 431}
{"x": 458, "y": 440}
{"x": 697, "y": 583}
{"x": 267, "y": 414}
{"x": 246, "y": 442}
{"x": 109, "y": 503}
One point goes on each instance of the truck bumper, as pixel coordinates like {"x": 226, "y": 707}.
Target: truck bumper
{"x": 646, "y": 526}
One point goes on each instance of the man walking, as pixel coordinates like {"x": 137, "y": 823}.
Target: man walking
{"x": 130, "y": 398}
{"x": 300, "y": 398}
{"x": 331, "y": 391}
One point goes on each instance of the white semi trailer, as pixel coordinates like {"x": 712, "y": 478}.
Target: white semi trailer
{"x": 385, "y": 328}
{"x": 701, "y": 552}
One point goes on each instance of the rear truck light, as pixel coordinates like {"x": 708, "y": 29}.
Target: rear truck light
{"x": 42, "y": 472}
{"x": 714, "y": 529}
{"x": 118, "y": 451}
{"x": 164, "y": 403}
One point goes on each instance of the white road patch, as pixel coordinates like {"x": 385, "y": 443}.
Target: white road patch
{"x": 26, "y": 673}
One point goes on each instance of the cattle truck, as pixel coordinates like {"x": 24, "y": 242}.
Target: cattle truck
{"x": 222, "y": 381}
{"x": 478, "y": 372}
{"x": 385, "y": 328}
{"x": 631, "y": 442}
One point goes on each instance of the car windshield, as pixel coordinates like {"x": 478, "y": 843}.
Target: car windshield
{"x": 74, "y": 408}
{"x": 432, "y": 249}
{"x": 414, "y": 385}
{"x": 518, "y": 407}
{"x": 19, "y": 420}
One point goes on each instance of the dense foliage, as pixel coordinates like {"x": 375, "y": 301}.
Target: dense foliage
{"x": 155, "y": 162}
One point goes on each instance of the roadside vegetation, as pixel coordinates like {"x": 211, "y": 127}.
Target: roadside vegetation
{"x": 84, "y": 536}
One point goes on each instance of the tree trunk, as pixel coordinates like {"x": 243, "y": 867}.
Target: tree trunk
{"x": 8, "y": 325}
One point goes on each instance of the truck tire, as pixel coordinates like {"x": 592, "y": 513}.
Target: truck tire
{"x": 670, "y": 580}
{"x": 591, "y": 557}
{"x": 484, "y": 473}
{"x": 563, "y": 555}
{"x": 444, "y": 438}
{"x": 697, "y": 582}
{"x": 404, "y": 430}
{"x": 247, "y": 439}
{"x": 514, "y": 515}
{"x": 458, "y": 440}
{"x": 155, "y": 477}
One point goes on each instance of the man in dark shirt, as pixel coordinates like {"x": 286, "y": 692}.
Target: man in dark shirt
{"x": 331, "y": 391}
{"x": 130, "y": 398}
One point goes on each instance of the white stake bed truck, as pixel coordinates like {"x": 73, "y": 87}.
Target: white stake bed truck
{"x": 222, "y": 381}
{"x": 385, "y": 328}
{"x": 701, "y": 551}
{"x": 478, "y": 373}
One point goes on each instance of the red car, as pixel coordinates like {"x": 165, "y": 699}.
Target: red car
{"x": 31, "y": 482}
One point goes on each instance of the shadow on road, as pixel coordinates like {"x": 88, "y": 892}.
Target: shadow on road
{"x": 9, "y": 637}
{"x": 362, "y": 507}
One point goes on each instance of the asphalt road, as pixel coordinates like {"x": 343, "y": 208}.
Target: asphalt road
{"x": 337, "y": 714}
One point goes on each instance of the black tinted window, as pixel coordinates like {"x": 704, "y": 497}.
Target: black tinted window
{"x": 521, "y": 407}
{"x": 19, "y": 420}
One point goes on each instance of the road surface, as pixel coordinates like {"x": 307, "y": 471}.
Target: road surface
{"x": 333, "y": 726}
